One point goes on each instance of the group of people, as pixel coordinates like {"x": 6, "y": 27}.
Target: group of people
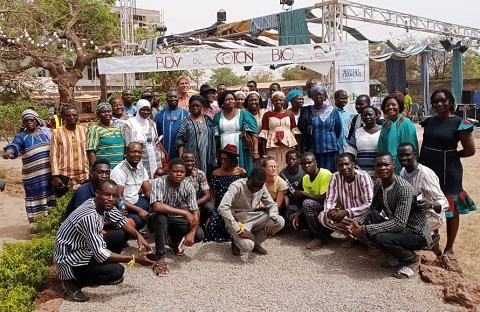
{"x": 232, "y": 166}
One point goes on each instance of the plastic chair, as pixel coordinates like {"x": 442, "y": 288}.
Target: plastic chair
{"x": 414, "y": 112}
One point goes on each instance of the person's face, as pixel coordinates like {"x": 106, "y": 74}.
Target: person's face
{"x": 297, "y": 102}
{"x": 392, "y": 109}
{"x": 117, "y": 107}
{"x": 221, "y": 88}
{"x": 127, "y": 96}
{"x": 309, "y": 164}
{"x": 155, "y": 98}
{"x": 172, "y": 99}
{"x": 145, "y": 112}
{"x": 309, "y": 85}
{"x": 195, "y": 108}
{"x": 107, "y": 195}
{"x": 384, "y": 167}
{"x": 209, "y": 96}
{"x": 239, "y": 101}
{"x": 342, "y": 100}
{"x": 405, "y": 91}
{"x": 229, "y": 102}
{"x": 30, "y": 123}
{"x": 253, "y": 103}
{"x": 105, "y": 115}
{"x": 271, "y": 168}
{"x": 183, "y": 86}
{"x": 273, "y": 88}
{"x": 345, "y": 167}
{"x": 292, "y": 162}
{"x": 278, "y": 102}
{"x": 100, "y": 173}
{"x": 225, "y": 161}
{"x": 369, "y": 117}
{"x": 245, "y": 89}
{"x": 70, "y": 117}
{"x": 441, "y": 104}
{"x": 176, "y": 173}
{"x": 406, "y": 156}
{"x": 134, "y": 153}
{"x": 360, "y": 104}
{"x": 251, "y": 87}
{"x": 189, "y": 160}
{"x": 318, "y": 96}
{"x": 254, "y": 185}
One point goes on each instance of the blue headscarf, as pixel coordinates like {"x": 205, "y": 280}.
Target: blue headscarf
{"x": 196, "y": 97}
{"x": 315, "y": 87}
{"x": 292, "y": 94}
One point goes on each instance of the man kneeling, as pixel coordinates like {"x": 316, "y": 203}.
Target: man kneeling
{"x": 84, "y": 257}
{"x": 248, "y": 225}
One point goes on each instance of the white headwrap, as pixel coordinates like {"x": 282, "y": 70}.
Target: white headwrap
{"x": 143, "y": 122}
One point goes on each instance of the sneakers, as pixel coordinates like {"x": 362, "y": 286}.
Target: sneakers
{"x": 145, "y": 231}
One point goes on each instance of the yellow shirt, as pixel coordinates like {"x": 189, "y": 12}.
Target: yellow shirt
{"x": 319, "y": 186}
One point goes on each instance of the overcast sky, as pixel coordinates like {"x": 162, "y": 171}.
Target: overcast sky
{"x": 182, "y": 16}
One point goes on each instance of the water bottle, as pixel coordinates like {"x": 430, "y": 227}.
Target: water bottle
{"x": 121, "y": 204}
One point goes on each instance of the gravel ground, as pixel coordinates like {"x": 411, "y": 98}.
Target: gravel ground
{"x": 289, "y": 278}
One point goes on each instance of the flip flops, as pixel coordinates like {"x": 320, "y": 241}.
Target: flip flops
{"x": 407, "y": 271}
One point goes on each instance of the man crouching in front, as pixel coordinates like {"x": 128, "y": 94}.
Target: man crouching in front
{"x": 86, "y": 257}
{"x": 248, "y": 225}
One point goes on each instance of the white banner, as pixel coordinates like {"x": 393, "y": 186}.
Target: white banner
{"x": 352, "y": 77}
{"x": 347, "y": 52}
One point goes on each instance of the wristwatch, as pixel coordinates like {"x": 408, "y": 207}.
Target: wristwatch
{"x": 273, "y": 218}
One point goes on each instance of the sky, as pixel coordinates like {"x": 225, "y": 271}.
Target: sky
{"x": 194, "y": 14}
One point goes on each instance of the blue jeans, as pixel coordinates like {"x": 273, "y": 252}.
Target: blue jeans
{"x": 143, "y": 203}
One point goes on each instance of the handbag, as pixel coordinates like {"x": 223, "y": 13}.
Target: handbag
{"x": 247, "y": 140}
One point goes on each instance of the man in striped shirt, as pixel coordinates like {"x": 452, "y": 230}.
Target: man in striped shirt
{"x": 85, "y": 257}
{"x": 68, "y": 154}
{"x": 349, "y": 196}
{"x": 391, "y": 223}
{"x": 174, "y": 203}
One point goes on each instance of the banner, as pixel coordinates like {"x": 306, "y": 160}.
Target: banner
{"x": 352, "y": 77}
{"x": 346, "y": 52}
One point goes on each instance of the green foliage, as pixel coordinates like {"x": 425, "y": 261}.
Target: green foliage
{"x": 11, "y": 117}
{"x": 296, "y": 73}
{"x": 226, "y": 76}
{"x": 262, "y": 75}
{"x": 17, "y": 298}
{"x": 47, "y": 226}
{"x": 164, "y": 81}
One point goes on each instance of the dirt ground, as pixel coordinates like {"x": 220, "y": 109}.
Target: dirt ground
{"x": 14, "y": 224}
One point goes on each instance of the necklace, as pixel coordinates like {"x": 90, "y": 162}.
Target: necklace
{"x": 200, "y": 125}
{"x": 102, "y": 125}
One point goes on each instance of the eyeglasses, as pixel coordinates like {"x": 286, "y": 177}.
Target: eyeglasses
{"x": 443, "y": 101}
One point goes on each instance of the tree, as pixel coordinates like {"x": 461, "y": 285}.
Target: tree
{"x": 262, "y": 75}
{"x": 297, "y": 73}
{"x": 62, "y": 37}
{"x": 164, "y": 81}
{"x": 195, "y": 75}
{"x": 226, "y": 76}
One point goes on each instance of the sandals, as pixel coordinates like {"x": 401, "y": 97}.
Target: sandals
{"x": 408, "y": 271}
{"x": 160, "y": 269}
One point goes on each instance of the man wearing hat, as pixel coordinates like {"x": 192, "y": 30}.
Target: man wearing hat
{"x": 168, "y": 121}
{"x": 211, "y": 105}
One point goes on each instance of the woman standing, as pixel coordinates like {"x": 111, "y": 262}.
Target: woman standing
{"x": 118, "y": 115}
{"x": 229, "y": 125}
{"x": 228, "y": 173}
{"x": 33, "y": 145}
{"x": 397, "y": 129}
{"x": 363, "y": 143}
{"x": 252, "y": 104}
{"x": 141, "y": 129}
{"x": 196, "y": 135}
{"x": 321, "y": 128}
{"x": 104, "y": 140}
{"x": 439, "y": 152}
{"x": 279, "y": 131}
{"x": 296, "y": 100}
{"x": 240, "y": 99}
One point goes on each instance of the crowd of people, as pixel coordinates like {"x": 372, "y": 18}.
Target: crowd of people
{"x": 227, "y": 166}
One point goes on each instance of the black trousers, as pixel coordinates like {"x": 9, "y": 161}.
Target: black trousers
{"x": 95, "y": 273}
{"x": 175, "y": 227}
{"x": 400, "y": 245}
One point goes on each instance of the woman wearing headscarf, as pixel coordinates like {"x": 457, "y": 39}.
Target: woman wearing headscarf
{"x": 196, "y": 135}
{"x": 33, "y": 145}
{"x": 240, "y": 99}
{"x": 279, "y": 131}
{"x": 321, "y": 128}
{"x": 252, "y": 105}
{"x": 295, "y": 102}
{"x": 141, "y": 129}
{"x": 230, "y": 123}
{"x": 105, "y": 140}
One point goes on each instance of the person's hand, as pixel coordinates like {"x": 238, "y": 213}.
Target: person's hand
{"x": 189, "y": 239}
{"x": 255, "y": 156}
{"x": 260, "y": 206}
{"x": 57, "y": 183}
{"x": 142, "y": 243}
{"x": 422, "y": 204}
{"x": 295, "y": 221}
{"x": 124, "y": 212}
{"x": 337, "y": 215}
{"x": 247, "y": 234}
{"x": 142, "y": 214}
{"x": 8, "y": 154}
{"x": 142, "y": 259}
{"x": 299, "y": 195}
{"x": 355, "y": 230}
{"x": 269, "y": 227}
{"x": 191, "y": 219}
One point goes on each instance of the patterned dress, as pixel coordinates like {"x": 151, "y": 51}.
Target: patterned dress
{"x": 108, "y": 143}
{"x": 216, "y": 227}
{"x": 36, "y": 172}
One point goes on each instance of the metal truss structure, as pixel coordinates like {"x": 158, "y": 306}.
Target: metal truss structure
{"x": 127, "y": 11}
